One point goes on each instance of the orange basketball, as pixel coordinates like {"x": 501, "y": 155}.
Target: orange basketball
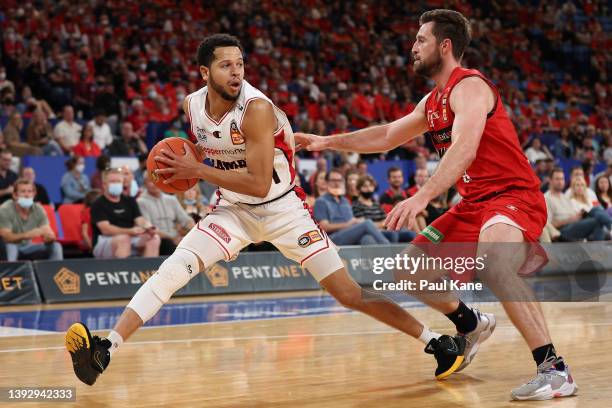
{"x": 176, "y": 145}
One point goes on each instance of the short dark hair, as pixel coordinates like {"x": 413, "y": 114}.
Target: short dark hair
{"x": 393, "y": 169}
{"x": 206, "y": 49}
{"x": 449, "y": 24}
{"x": 556, "y": 170}
{"x": 364, "y": 179}
{"x": 336, "y": 170}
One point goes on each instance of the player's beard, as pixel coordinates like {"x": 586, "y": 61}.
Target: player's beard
{"x": 219, "y": 89}
{"x": 431, "y": 67}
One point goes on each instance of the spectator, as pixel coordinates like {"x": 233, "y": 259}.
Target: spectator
{"x": 395, "y": 193}
{"x": 564, "y": 147}
{"x": 320, "y": 186}
{"x": 583, "y": 203}
{"x": 102, "y": 135}
{"x": 606, "y": 173}
{"x": 537, "y": 151}
{"x": 604, "y": 193}
{"x": 138, "y": 118}
{"x": 42, "y": 197}
{"x": 75, "y": 183}
{"x": 40, "y": 134}
{"x": 130, "y": 186}
{"x": 129, "y": 144}
{"x": 420, "y": 178}
{"x": 335, "y": 216}
{"x": 562, "y": 215}
{"x": 5, "y": 83}
{"x": 176, "y": 130}
{"x": 67, "y": 132}
{"x": 191, "y": 201}
{"x": 87, "y": 147}
{"x": 436, "y": 208}
{"x": 141, "y": 170}
{"x": 352, "y": 193}
{"x": 21, "y": 221}
{"x": 542, "y": 170}
{"x": 578, "y": 173}
{"x": 366, "y": 206}
{"x": 102, "y": 164}
{"x": 7, "y": 176}
{"x": 165, "y": 212}
{"x": 119, "y": 229}
{"x": 12, "y": 138}
{"x": 86, "y": 227}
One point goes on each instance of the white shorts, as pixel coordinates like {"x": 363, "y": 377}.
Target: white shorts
{"x": 286, "y": 223}
{"x": 104, "y": 250}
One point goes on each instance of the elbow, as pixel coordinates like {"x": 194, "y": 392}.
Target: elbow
{"x": 260, "y": 192}
{"x": 261, "y": 188}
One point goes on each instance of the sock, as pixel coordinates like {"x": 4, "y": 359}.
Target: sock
{"x": 464, "y": 318}
{"x": 542, "y": 353}
{"x": 116, "y": 340}
{"x": 427, "y": 335}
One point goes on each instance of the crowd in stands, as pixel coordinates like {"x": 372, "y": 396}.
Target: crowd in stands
{"x": 96, "y": 79}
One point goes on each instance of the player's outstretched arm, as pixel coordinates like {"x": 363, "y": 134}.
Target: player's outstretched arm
{"x": 471, "y": 100}
{"x": 373, "y": 139}
{"x": 258, "y": 126}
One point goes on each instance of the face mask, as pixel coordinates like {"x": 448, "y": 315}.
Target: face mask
{"x": 80, "y": 168}
{"x": 180, "y": 97}
{"x": 25, "y": 202}
{"x": 294, "y": 99}
{"x": 134, "y": 189}
{"x": 115, "y": 189}
{"x": 367, "y": 194}
{"x": 152, "y": 94}
{"x": 188, "y": 201}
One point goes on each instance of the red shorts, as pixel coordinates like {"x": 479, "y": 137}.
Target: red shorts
{"x": 463, "y": 223}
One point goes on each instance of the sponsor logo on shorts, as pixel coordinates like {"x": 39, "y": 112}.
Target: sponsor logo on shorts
{"x": 237, "y": 138}
{"x": 221, "y": 233}
{"x": 432, "y": 234}
{"x": 309, "y": 238}
{"x": 218, "y": 276}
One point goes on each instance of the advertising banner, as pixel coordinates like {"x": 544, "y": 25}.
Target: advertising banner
{"x": 18, "y": 284}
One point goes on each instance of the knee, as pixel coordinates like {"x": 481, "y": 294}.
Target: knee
{"x": 174, "y": 273}
{"x": 154, "y": 242}
{"x": 120, "y": 241}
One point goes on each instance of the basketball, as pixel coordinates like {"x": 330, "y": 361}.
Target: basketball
{"x": 176, "y": 145}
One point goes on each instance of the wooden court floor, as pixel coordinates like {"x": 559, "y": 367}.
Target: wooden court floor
{"x": 337, "y": 360}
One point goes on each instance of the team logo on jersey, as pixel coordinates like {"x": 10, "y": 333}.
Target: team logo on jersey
{"x": 431, "y": 116}
{"x": 309, "y": 238}
{"x": 235, "y": 134}
{"x": 201, "y": 134}
{"x": 220, "y": 231}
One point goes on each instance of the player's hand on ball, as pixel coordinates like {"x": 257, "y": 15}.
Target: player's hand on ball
{"x": 310, "y": 142}
{"x": 179, "y": 166}
{"x": 404, "y": 213}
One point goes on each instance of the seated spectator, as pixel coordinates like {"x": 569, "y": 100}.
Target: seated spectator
{"x": 395, "y": 193}
{"x": 542, "y": 170}
{"x": 7, "y": 176}
{"x": 352, "y": 192}
{"x": 130, "y": 186}
{"x": 102, "y": 135}
{"x": 42, "y": 197}
{"x": 165, "y": 212}
{"x": 588, "y": 207}
{"x": 102, "y": 164}
{"x": 40, "y": 134}
{"x": 119, "y": 229}
{"x": 420, "y": 178}
{"x": 67, "y": 132}
{"x": 564, "y": 147}
{"x": 128, "y": 144}
{"x": 86, "y": 227}
{"x": 606, "y": 173}
{"x": 436, "y": 208}
{"x": 12, "y": 138}
{"x": 335, "y": 216}
{"x": 604, "y": 193}
{"x": 21, "y": 221}
{"x": 578, "y": 173}
{"x": 75, "y": 183}
{"x": 176, "y": 130}
{"x": 87, "y": 147}
{"x": 365, "y": 206}
{"x": 141, "y": 170}
{"x": 537, "y": 151}
{"x": 191, "y": 201}
{"x": 573, "y": 224}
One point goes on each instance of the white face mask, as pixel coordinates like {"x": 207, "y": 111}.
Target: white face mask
{"x": 80, "y": 168}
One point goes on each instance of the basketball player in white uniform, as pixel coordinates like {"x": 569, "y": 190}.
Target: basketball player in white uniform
{"x": 250, "y": 142}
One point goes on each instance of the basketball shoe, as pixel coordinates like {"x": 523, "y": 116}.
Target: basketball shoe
{"x": 90, "y": 355}
{"x": 449, "y": 353}
{"x": 549, "y": 383}
{"x": 484, "y": 329}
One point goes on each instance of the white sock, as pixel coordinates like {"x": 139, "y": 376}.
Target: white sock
{"x": 116, "y": 340}
{"x": 427, "y": 335}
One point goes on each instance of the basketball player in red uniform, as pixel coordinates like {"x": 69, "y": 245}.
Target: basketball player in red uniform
{"x": 480, "y": 153}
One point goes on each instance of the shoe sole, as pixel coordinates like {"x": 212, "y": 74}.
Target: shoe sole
{"x": 565, "y": 390}
{"x": 481, "y": 339}
{"x": 452, "y": 369}
{"x": 78, "y": 342}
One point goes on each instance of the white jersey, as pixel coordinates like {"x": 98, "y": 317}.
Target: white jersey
{"x": 224, "y": 144}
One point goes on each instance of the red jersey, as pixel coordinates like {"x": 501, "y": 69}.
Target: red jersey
{"x": 500, "y": 163}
